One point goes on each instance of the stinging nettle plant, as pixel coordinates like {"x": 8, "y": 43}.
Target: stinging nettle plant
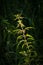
{"x": 25, "y": 42}
{"x": 19, "y": 41}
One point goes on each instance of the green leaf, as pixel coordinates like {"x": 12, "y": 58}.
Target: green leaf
{"x": 23, "y": 53}
{"x": 28, "y": 28}
{"x": 22, "y": 41}
{"x": 20, "y": 37}
{"x": 28, "y": 35}
{"x": 15, "y": 30}
{"x": 30, "y": 39}
{"x": 25, "y": 44}
{"x": 5, "y": 22}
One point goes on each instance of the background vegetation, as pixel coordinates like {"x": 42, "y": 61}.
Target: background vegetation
{"x": 21, "y": 32}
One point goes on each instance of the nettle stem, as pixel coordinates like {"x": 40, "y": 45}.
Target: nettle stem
{"x": 23, "y": 31}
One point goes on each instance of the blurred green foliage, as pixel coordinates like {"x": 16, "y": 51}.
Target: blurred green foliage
{"x": 21, "y": 32}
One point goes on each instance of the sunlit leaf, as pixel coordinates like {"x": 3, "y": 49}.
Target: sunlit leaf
{"x": 18, "y": 16}
{"x": 23, "y": 53}
{"x": 28, "y": 35}
{"x": 30, "y": 39}
{"x": 20, "y": 37}
{"x": 28, "y": 28}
